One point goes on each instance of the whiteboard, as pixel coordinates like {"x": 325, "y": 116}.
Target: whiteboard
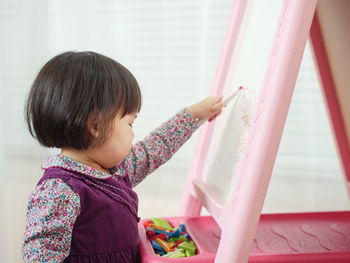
{"x": 247, "y": 68}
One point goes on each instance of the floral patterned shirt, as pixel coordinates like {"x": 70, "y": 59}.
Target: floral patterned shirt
{"x": 54, "y": 206}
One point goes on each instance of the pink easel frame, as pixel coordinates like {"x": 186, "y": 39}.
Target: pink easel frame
{"x": 241, "y": 214}
{"x": 238, "y": 219}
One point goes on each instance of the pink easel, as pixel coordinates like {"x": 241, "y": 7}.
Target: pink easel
{"x": 236, "y": 231}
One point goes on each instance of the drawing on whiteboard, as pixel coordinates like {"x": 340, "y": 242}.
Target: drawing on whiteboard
{"x": 227, "y": 145}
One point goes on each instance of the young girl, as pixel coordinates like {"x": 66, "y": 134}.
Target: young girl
{"x": 83, "y": 209}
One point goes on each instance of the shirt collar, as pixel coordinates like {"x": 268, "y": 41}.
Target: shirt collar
{"x": 72, "y": 165}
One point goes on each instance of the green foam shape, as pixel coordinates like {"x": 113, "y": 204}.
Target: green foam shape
{"x": 188, "y": 246}
{"x": 161, "y": 222}
{"x": 183, "y": 238}
{"x": 188, "y": 254}
{"x": 173, "y": 254}
{"x": 179, "y": 255}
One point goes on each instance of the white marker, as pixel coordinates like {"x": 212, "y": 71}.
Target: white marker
{"x": 230, "y": 96}
{"x": 225, "y": 101}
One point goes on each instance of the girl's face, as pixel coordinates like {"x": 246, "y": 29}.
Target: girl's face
{"x": 118, "y": 145}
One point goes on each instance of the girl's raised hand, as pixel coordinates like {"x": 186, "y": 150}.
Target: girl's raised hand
{"x": 208, "y": 108}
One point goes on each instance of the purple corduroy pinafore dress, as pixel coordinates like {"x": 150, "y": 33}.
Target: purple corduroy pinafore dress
{"x": 106, "y": 228}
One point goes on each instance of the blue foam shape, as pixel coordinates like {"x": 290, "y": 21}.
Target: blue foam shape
{"x": 176, "y": 233}
{"x": 182, "y": 227}
{"x": 156, "y": 246}
{"x": 160, "y": 252}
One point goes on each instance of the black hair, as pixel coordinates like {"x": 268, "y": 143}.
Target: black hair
{"x": 72, "y": 87}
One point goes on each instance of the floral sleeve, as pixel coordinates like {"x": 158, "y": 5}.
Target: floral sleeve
{"x": 157, "y": 148}
{"x": 52, "y": 210}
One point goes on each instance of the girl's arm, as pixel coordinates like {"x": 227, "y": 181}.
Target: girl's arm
{"x": 52, "y": 210}
{"x": 157, "y": 148}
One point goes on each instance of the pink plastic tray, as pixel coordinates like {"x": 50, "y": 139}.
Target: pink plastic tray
{"x": 300, "y": 237}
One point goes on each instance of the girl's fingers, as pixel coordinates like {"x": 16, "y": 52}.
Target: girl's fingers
{"x": 216, "y": 107}
{"x": 214, "y": 116}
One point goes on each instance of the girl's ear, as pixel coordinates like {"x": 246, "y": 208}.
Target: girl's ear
{"x": 92, "y": 125}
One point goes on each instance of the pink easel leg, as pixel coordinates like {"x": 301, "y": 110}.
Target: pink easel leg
{"x": 331, "y": 100}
